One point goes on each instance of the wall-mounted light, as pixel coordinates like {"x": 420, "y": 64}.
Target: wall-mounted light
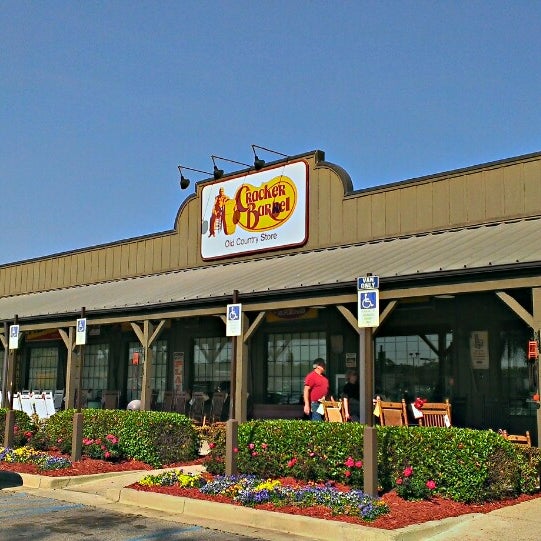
{"x": 219, "y": 173}
{"x": 185, "y": 182}
{"x": 258, "y": 162}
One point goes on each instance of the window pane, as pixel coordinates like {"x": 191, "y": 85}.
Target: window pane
{"x": 290, "y": 358}
{"x": 95, "y": 370}
{"x": 43, "y": 368}
{"x": 136, "y": 359}
{"x": 407, "y": 367}
{"x": 212, "y": 363}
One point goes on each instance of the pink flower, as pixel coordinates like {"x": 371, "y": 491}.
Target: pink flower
{"x": 212, "y": 445}
{"x": 251, "y": 445}
{"x": 359, "y": 464}
{"x": 254, "y": 453}
{"x": 235, "y": 449}
{"x": 292, "y": 462}
{"x": 347, "y": 473}
{"x": 15, "y": 428}
{"x": 349, "y": 462}
{"x": 107, "y": 454}
{"x": 408, "y": 472}
{"x": 431, "y": 485}
{"x": 399, "y": 481}
{"x": 103, "y": 447}
{"x": 312, "y": 454}
{"x": 59, "y": 440}
{"x": 264, "y": 446}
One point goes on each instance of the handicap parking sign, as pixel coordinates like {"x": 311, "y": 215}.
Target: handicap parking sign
{"x": 80, "y": 334}
{"x": 14, "y": 335}
{"x": 234, "y": 320}
{"x": 368, "y": 307}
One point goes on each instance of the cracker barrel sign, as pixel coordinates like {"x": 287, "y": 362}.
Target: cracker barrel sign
{"x": 255, "y": 212}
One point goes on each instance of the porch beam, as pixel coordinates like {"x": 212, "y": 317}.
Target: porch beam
{"x": 327, "y": 300}
{"x": 156, "y": 332}
{"x": 138, "y": 332}
{"x": 253, "y": 327}
{"x": 387, "y": 311}
{"x": 519, "y": 310}
{"x": 350, "y": 318}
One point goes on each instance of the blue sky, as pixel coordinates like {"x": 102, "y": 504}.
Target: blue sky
{"x": 101, "y": 100}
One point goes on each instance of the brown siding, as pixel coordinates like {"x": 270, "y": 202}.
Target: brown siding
{"x": 477, "y": 195}
{"x": 392, "y": 213}
{"x": 377, "y": 216}
{"x": 513, "y": 191}
{"x": 495, "y": 196}
{"x": 350, "y": 221}
{"x": 532, "y": 187}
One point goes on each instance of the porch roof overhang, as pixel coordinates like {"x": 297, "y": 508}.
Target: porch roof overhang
{"x": 493, "y": 256}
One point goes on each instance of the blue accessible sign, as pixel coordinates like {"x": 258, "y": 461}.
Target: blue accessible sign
{"x": 368, "y": 301}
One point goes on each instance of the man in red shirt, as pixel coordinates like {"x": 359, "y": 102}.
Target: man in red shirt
{"x": 316, "y": 388}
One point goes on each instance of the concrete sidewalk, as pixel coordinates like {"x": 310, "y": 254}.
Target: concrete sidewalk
{"x": 521, "y": 522}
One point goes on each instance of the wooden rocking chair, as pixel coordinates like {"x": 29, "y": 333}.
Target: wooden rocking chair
{"x": 518, "y": 439}
{"x": 333, "y": 411}
{"x": 436, "y": 414}
{"x": 391, "y": 413}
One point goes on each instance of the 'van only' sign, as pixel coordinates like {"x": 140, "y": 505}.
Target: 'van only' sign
{"x": 266, "y": 210}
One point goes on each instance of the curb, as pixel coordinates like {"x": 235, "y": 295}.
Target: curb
{"x": 229, "y": 516}
{"x": 234, "y": 519}
{"x": 31, "y": 480}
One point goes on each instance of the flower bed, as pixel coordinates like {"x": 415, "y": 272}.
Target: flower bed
{"x": 248, "y": 490}
{"x": 55, "y": 464}
{"x": 400, "y": 512}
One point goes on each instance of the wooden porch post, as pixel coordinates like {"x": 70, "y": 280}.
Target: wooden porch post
{"x": 147, "y": 336}
{"x": 536, "y": 301}
{"x": 72, "y": 367}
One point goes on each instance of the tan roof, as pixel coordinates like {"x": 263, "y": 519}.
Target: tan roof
{"x": 490, "y": 247}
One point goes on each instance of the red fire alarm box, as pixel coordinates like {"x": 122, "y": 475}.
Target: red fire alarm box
{"x": 533, "y": 350}
{"x": 135, "y": 358}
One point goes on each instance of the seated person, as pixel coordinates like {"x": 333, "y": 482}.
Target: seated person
{"x": 350, "y": 396}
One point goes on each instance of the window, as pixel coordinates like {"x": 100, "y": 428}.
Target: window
{"x": 43, "y": 368}
{"x": 290, "y": 358}
{"x": 212, "y": 363}
{"x": 407, "y": 366}
{"x": 136, "y": 360}
{"x": 95, "y": 370}
{"x": 518, "y": 375}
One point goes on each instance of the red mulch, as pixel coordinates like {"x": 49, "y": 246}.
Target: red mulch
{"x": 402, "y": 512}
{"x": 86, "y": 466}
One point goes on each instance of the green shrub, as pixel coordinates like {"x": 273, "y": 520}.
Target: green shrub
{"x": 156, "y": 438}
{"x": 23, "y": 429}
{"x": 464, "y": 465}
{"x": 301, "y": 449}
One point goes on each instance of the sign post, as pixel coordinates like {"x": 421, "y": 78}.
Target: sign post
{"x": 13, "y": 346}
{"x": 234, "y": 329}
{"x": 77, "y": 436}
{"x": 368, "y": 319}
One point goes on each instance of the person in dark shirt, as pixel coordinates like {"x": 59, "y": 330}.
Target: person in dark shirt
{"x": 350, "y": 396}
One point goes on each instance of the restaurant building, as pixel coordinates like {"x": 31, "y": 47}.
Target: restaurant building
{"x": 458, "y": 256}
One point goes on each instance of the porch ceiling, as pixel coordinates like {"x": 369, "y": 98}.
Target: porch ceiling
{"x": 488, "y": 247}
